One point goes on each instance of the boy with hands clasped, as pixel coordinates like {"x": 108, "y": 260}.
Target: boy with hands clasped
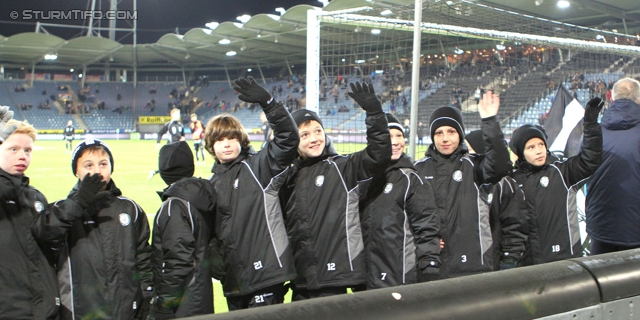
{"x": 101, "y": 241}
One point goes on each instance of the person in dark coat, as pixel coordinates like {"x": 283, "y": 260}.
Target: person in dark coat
{"x": 182, "y": 229}
{"x": 613, "y": 200}
{"x": 321, "y": 197}
{"x": 27, "y": 278}
{"x": 101, "y": 240}
{"x": 249, "y": 226}
{"x": 507, "y": 213}
{"x": 400, "y": 222}
{"x": 550, "y": 186}
{"x": 455, "y": 176}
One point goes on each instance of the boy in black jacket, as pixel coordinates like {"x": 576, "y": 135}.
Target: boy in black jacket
{"x": 101, "y": 240}
{"x": 400, "y": 222}
{"x": 507, "y": 214}
{"x": 28, "y": 281}
{"x": 321, "y": 199}
{"x": 455, "y": 176}
{"x": 550, "y": 187}
{"x": 249, "y": 226}
{"x": 182, "y": 230}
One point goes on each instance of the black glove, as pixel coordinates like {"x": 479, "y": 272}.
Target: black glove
{"x": 251, "y": 91}
{"x": 89, "y": 190}
{"x": 429, "y": 274}
{"x": 592, "y": 110}
{"x": 5, "y": 116}
{"x": 365, "y": 96}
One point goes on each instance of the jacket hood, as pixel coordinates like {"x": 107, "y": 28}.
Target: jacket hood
{"x": 622, "y": 114}
{"x": 528, "y": 168}
{"x": 219, "y": 168}
{"x": 199, "y": 192}
{"x": 403, "y": 162}
{"x": 435, "y": 154}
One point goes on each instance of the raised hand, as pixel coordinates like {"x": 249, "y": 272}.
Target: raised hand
{"x": 251, "y": 91}
{"x": 5, "y": 116}
{"x": 489, "y": 105}
{"x": 365, "y": 96}
{"x": 592, "y": 110}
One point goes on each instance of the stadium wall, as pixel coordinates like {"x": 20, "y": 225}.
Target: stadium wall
{"x": 597, "y": 287}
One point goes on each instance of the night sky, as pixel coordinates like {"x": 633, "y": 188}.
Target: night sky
{"x": 155, "y": 17}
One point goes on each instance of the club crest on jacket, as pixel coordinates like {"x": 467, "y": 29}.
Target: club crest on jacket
{"x": 38, "y": 206}
{"x": 388, "y": 187}
{"x": 544, "y": 181}
{"x": 457, "y": 176}
{"x": 319, "y": 180}
{"x": 125, "y": 219}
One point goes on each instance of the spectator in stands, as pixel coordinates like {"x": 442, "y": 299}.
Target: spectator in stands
{"x": 420, "y": 133}
{"x": 182, "y": 230}
{"x": 69, "y": 135}
{"x": 101, "y": 240}
{"x": 456, "y": 176}
{"x": 197, "y": 134}
{"x": 550, "y": 185}
{"x": 507, "y": 213}
{"x": 259, "y": 262}
{"x": 399, "y": 215}
{"x": 613, "y": 202}
{"x": 321, "y": 201}
{"x": 29, "y": 284}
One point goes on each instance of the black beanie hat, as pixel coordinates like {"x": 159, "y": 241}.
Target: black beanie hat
{"x": 302, "y": 115}
{"x": 446, "y": 116}
{"x": 475, "y": 141}
{"x": 523, "y": 134}
{"x": 394, "y": 123}
{"x": 175, "y": 162}
{"x": 80, "y": 148}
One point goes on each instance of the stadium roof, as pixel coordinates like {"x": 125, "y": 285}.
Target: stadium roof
{"x": 271, "y": 40}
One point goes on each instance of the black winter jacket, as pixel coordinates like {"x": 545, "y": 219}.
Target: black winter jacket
{"x": 27, "y": 278}
{"x": 465, "y": 222}
{"x": 103, "y": 255}
{"x": 182, "y": 230}
{"x": 400, "y": 224}
{"x": 550, "y": 192}
{"x": 508, "y": 220}
{"x": 249, "y": 226}
{"x": 322, "y": 198}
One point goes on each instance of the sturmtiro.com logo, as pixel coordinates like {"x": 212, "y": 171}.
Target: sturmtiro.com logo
{"x": 75, "y": 14}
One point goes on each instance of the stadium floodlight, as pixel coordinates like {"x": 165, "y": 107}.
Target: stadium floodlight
{"x": 231, "y": 53}
{"x": 50, "y": 56}
{"x": 249, "y": 70}
{"x": 212, "y": 25}
{"x": 72, "y": 70}
{"x": 207, "y": 31}
{"x": 458, "y": 51}
{"x": 324, "y": 2}
{"x": 375, "y": 31}
{"x": 224, "y": 41}
{"x": 80, "y": 75}
{"x": 243, "y": 18}
{"x": 563, "y": 4}
{"x": 386, "y": 13}
{"x": 281, "y": 10}
{"x": 500, "y": 46}
{"x": 360, "y": 61}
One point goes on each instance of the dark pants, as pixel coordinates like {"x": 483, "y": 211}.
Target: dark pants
{"x": 263, "y": 297}
{"x": 304, "y": 294}
{"x": 599, "y": 247}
